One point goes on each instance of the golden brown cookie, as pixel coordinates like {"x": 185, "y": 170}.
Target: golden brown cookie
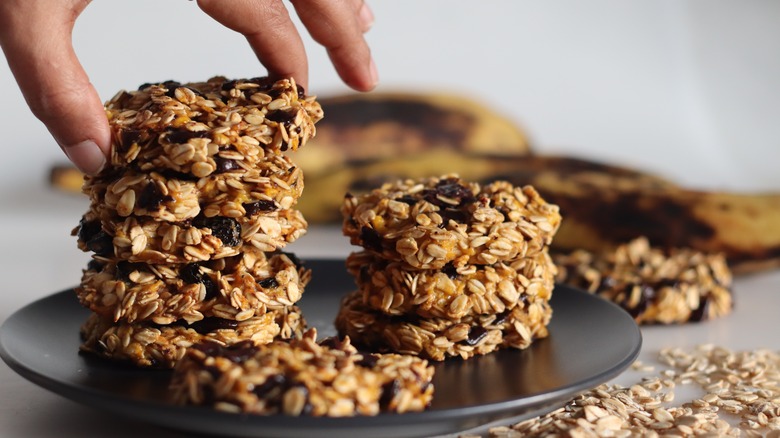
{"x": 441, "y": 338}
{"x": 162, "y": 346}
{"x": 206, "y": 127}
{"x": 236, "y": 288}
{"x": 144, "y": 239}
{"x": 273, "y": 184}
{"x": 450, "y": 293}
{"x": 301, "y": 377}
{"x": 434, "y": 221}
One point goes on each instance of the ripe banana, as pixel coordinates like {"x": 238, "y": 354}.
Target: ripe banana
{"x": 603, "y": 206}
{"x": 376, "y": 125}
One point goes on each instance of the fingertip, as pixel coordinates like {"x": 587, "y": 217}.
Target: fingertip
{"x": 339, "y": 27}
{"x": 374, "y": 73}
{"x": 86, "y": 155}
{"x": 283, "y": 55}
{"x": 366, "y": 17}
{"x": 270, "y": 33}
{"x": 84, "y": 135}
{"x": 365, "y": 79}
{"x": 38, "y": 48}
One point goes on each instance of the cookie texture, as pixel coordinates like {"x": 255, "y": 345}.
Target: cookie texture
{"x": 434, "y": 221}
{"x": 451, "y": 293}
{"x": 144, "y": 239}
{"x": 655, "y": 286}
{"x": 442, "y": 338}
{"x": 271, "y": 185}
{"x": 235, "y": 288}
{"x": 301, "y": 377}
{"x": 205, "y": 127}
{"x": 162, "y": 346}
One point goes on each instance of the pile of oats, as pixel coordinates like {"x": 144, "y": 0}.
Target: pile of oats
{"x": 741, "y": 399}
{"x": 187, "y": 222}
{"x": 448, "y": 268}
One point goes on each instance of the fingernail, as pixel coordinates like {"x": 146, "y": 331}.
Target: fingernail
{"x": 374, "y": 73}
{"x": 366, "y": 16}
{"x": 87, "y": 156}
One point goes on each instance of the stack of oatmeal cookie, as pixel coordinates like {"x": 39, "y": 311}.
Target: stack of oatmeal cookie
{"x": 449, "y": 268}
{"x": 187, "y": 220}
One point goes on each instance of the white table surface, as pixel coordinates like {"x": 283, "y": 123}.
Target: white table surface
{"x": 39, "y": 257}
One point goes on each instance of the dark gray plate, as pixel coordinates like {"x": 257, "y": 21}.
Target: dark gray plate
{"x": 591, "y": 341}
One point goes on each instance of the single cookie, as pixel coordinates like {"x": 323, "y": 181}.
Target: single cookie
{"x": 301, "y": 378}
{"x": 433, "y": 222}
{"x": 143, "y": 239}
{"x": 451, "y": 293}
{"x": 234, "y": 288}
{"x": 440, "y": 338}
{"x": 161, "y": 346}
{"x": 271, "y": 185}
{"x": 654, "y": 286}
{"x": 207, "y": 127}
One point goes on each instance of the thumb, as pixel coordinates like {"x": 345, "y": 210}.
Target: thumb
{"x": 37, "y": 45}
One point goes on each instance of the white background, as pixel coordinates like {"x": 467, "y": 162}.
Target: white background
{"x": 687, "y": 89}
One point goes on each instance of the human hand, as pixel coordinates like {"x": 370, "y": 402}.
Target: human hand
{"x": 36, "y": 39}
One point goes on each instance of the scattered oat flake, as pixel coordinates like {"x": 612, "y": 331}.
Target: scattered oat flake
{"x": 744, "y": 385}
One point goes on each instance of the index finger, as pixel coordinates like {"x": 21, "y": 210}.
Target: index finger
{"x": 336, "y": 25}
{"x": 36, "y": 40}
{"x": 272, "y": 35}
